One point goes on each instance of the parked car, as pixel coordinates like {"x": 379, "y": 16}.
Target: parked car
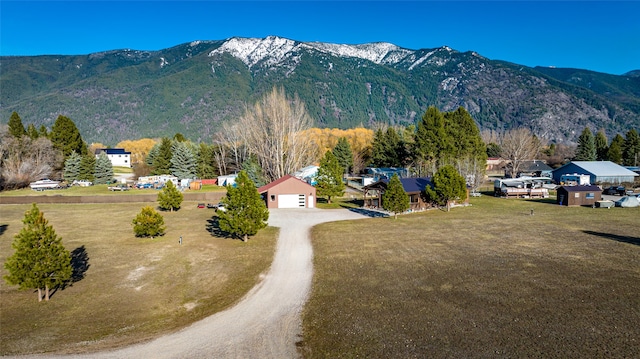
{"x": 200, "y": 205}
{"x": 615, "y": 190}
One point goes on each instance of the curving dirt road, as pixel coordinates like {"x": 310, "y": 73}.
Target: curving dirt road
{"x": 267, "y": 323}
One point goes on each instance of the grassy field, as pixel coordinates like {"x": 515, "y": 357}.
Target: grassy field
{"x": 486, "y": 281}
{"x": 133, "y": 289}
{"x": 96, "y": 190}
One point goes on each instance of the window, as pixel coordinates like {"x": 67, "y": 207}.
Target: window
{"x": 273, "y": 197}
{"x": 590, "y": 196}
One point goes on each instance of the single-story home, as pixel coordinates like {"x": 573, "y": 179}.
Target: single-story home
{"x": 599, "y": 171}
{"x": 578, "y": 195}
{"x": 535, "y": 168}
{"x": 288, "y": 192}
{"x": 118, "y": 156}
{"x": 413, "y": 186}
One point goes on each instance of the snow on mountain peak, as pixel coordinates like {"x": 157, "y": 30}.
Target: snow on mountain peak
{"x": 273, "y": 50}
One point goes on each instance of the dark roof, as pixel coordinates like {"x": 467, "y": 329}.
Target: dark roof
{"x": 268, "y": 186}
{"x": 531, "y": 166}
{"x": 590, "y": 188}
{"x": 410, "y": 185}
{"x": 113, "y": 151}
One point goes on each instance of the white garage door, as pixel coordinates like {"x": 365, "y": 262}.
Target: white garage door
{"x": 291, "y": 201}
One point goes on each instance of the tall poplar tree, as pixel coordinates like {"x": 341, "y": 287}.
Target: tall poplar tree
{"x": 329, "y": 178}
{"x": 586, "y": 150}
{"x": 40, "y": 260}
{"x": 245, "y": 212}
{"x": 394, "y": 198}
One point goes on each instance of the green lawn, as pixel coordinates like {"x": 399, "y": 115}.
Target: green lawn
{"x": 134, "y": 288}
{"x": 490, "y": 280}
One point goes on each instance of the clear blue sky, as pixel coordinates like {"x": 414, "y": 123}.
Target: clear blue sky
{"x": 599, "y": 36}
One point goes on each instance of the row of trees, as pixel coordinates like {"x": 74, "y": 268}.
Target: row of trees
{"x": 621, "y": 150}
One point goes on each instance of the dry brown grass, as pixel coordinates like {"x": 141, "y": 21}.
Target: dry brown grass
{"x": 134, "y": 288}
{"x": 485, "y": 281}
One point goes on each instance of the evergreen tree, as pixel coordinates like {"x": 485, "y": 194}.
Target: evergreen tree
{"x": 183, "y": 161}
{"x": 464, "y": 135}
{"x": 72, "y": 167}
{"x": 615, "y": 149}
{"x": 245, "y": 212}
{"x": 343, "y": 153}
{"x": 378, "y": 150}
{"x": 148, "y": 223}
{"x": 432, "y": 144}
{"x": 586, "y": 150}
{"x": 448, "y": 185}
{"x": 162, "y": 161}
{"x": 631, "y": 149}
{"x": 32, "y": 132}
{"x": 494, "y": 150}
{"x": 396, "y": 153}
{"x": 170, "y": 197}
{"x": 103, "y": 172}
{"x": 66, "y": 137}
{"x": 87, "y": 168}
{"x": 253, "y": 169}
{"x": 178, "y": 137}
{"x": 16, "y": 128}
{"x": 40, "y": 260}
{"x": 601, "y": 146}
{"x": 205, "y": 161}
{"x": 42, "y": 132}
{"x": 329, "y": 179}
{"x": 394, "y": 198}
{"x": 152, "y": 155}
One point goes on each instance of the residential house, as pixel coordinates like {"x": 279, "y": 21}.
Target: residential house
{"x": 413, "y": 186}
{"x": 118, "y": 156}
{"x": 288, "y": 192}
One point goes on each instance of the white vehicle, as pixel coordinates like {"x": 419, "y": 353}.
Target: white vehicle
{"x": 43, "y": 184}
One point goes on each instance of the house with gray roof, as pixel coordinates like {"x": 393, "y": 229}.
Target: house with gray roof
{"x": 600, "y": 172}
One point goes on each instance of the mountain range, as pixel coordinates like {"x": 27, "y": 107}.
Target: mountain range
{"x": 193, "y": 88}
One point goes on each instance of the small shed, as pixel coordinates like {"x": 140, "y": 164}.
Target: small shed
{"x": 288, "y": 192}
{"x": 579, "y": 195}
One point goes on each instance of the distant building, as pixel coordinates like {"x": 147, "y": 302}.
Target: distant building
{"x": 578, "y": 195}
{"x": 118, "y": 156}
{"x": 599, "y": 171}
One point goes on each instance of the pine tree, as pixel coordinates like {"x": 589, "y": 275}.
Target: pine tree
{"x": 253, "y": 169}
{"x": 615, "y": 149}
{"x": 183, "y": 161}
{"x": 631, "y": 149}
{"x": 343, "y": 153}
{"x": 40, "y": 260}
{"x": 42, "y": 132}
{"x": 32, "y": 132}
{"x": 205, "y": 161}
{"x": 586, "y": 150}
{"x": 394, "y": 198}
{"x": 601, "y": 146}
{"x": 245, "y": 212}
{"x": 329, "y": 179}
{"x": 170, "y": 197}
{"x": 103, "y": 172}
{"x": 378, "y": 150}
{"x": 432, "y": 145}
{"x": 66, "y": 137}
{"x": 162, "y": 160}
{"x": 87, "y": 168}
{"x": 448, "y": 185}
{"x": 72, "y": 167}
{"x": 148, "y": 223}
{"x": 16, "y": 128}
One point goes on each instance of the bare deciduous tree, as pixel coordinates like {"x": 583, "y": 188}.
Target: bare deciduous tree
{"x": 518, "y": 145}
{"x": 25, "y": 160}
{"x": 272, "y": 130}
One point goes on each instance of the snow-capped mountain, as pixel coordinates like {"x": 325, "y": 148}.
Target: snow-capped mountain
{"x": 195, "y": 87}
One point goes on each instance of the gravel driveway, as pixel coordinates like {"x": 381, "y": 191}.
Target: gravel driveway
{"x": 267, "y": 323}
